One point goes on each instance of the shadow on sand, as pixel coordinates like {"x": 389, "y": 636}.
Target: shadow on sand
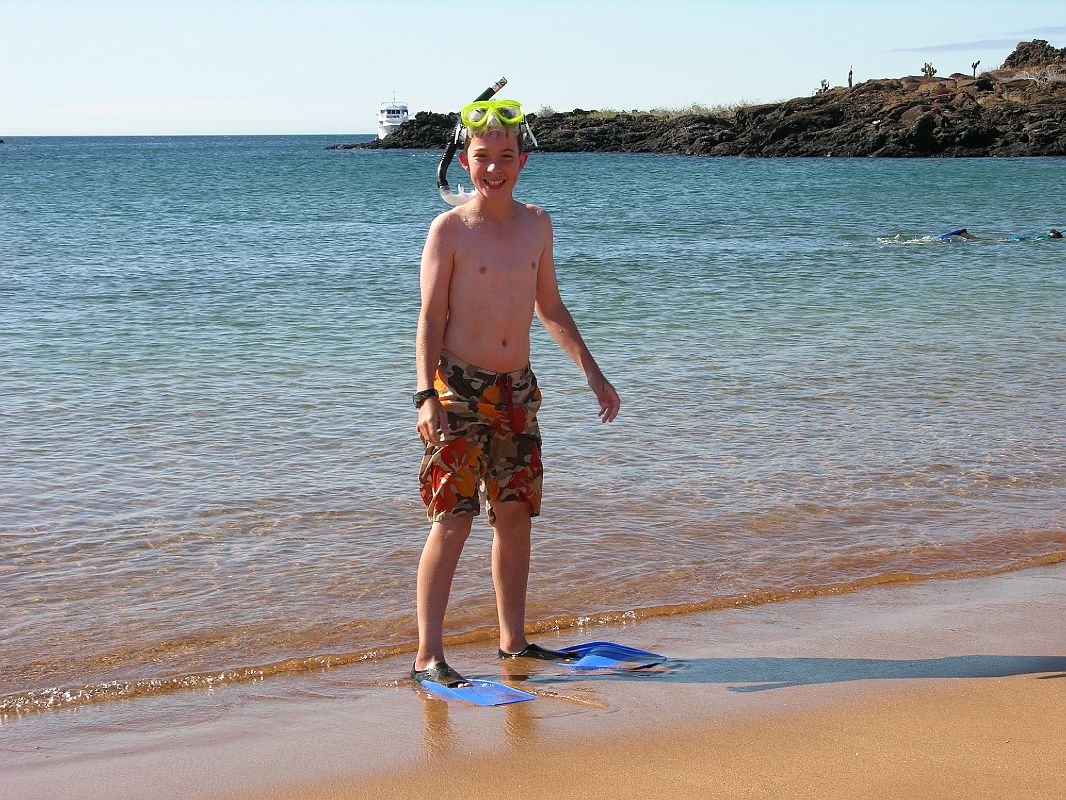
{"x": 443, "y": 741}
{"x": 761, "y": 674}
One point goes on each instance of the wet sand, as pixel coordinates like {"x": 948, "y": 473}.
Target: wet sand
{"x": 937, "y": 689}
{"x": 997, "y": 738}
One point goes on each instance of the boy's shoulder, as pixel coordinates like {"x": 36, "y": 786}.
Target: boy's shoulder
{"x": 537, "y": 217}
{"x": 448, "y": 216}
{"x": 447, "y": 222}
{"x": 537, "y": 212}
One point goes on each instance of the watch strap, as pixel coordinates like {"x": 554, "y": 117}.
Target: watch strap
{"x": 418, "y": 398}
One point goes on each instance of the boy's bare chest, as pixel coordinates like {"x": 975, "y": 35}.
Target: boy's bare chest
{"x": 503, "y": 267}
{"x": 497, "y": 272}
{"x": 508, "y": 288}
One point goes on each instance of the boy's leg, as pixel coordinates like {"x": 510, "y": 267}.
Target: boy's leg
{"x": 436, "y": 568}
{"x": 510, "y": 571}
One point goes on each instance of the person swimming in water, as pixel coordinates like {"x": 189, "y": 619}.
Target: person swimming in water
{"x": 962, "y": 233}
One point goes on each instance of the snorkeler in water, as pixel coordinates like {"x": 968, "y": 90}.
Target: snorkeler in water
{"x": 962, "y": 233}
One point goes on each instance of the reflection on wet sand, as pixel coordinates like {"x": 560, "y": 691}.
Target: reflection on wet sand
{"x": 439, "y": 740}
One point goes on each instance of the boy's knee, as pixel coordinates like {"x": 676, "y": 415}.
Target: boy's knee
{"x": 453, "y": 529}
{"x": 512, "y": 516}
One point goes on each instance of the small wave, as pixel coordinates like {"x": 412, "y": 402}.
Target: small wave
{"x": 56, "y": 698}
{"x": 900, "y": 239}
{"x": 68, "y": 697}
{"x": 763, "y": 597}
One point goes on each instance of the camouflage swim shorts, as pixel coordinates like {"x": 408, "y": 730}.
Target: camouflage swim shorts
{"x": 494, "y": 445}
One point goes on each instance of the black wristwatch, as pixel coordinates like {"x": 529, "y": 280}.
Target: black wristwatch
{"x": 418, "y": 398}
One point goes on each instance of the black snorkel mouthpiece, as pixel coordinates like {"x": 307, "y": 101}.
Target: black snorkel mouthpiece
{"x": 446, "y": 193}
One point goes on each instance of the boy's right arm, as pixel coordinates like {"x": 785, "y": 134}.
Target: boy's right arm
{"x": 435, "y": 279}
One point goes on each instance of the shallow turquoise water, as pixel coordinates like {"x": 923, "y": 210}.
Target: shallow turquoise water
{"x": 209, "y": 453}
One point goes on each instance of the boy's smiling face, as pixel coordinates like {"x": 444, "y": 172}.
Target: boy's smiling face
{"x": 494, "y": 160}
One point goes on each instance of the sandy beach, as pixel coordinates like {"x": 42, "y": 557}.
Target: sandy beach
{"x": 988, "y": 738}
{"x": 934, "y": 689}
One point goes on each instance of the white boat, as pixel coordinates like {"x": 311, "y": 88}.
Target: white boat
{"x": 390, "y": 117}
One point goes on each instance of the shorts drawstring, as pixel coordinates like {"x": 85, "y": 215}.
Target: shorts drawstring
{"x": 514, "y": 415}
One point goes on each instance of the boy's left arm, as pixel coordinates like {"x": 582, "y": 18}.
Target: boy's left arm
{"x": 557, "y": 320}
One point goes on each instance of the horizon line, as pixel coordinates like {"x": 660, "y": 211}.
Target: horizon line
{"x": 4, "y": 136}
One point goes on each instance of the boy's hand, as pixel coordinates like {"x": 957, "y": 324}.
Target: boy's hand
{"x": 433, "y": 422}
{"x": 607, "y": 396}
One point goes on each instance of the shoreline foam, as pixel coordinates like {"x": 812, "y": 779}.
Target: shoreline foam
{"x": 17, "y": 704}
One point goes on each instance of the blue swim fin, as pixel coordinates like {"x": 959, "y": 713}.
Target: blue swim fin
{"x": 479, "y": 693}
{"x": 608, "y": 655}
{"x": 949, "y": 234}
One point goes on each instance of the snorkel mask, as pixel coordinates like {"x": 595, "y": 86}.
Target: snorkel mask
{"x": 481, "y": 115}
{"x": 484, "y": 114}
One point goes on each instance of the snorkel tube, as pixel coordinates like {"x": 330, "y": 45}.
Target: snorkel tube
{"x": 459, "y": 197}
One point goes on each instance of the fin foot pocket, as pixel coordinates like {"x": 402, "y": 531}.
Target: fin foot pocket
{"x": 439, "y": 673}
{"x": 538, "y": 652}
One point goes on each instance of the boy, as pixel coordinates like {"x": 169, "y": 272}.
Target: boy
{"x": 486, "y": 267}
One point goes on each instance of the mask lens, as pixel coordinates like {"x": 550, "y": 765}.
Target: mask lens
{"x": 475, "y": 114}
{"x": 509, "y": 113}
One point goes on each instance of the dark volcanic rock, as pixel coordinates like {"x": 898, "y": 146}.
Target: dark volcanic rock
{"x": 1036, "y": 53}
{"x": 1008, "y": 112}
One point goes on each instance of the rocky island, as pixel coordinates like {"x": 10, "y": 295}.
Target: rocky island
{"x": 1017, "y": 110}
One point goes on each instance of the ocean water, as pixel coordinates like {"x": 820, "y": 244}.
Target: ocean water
{"x": 206, "y": 355}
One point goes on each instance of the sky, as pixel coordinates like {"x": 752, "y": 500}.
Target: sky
{"x": 117, "y": 67}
